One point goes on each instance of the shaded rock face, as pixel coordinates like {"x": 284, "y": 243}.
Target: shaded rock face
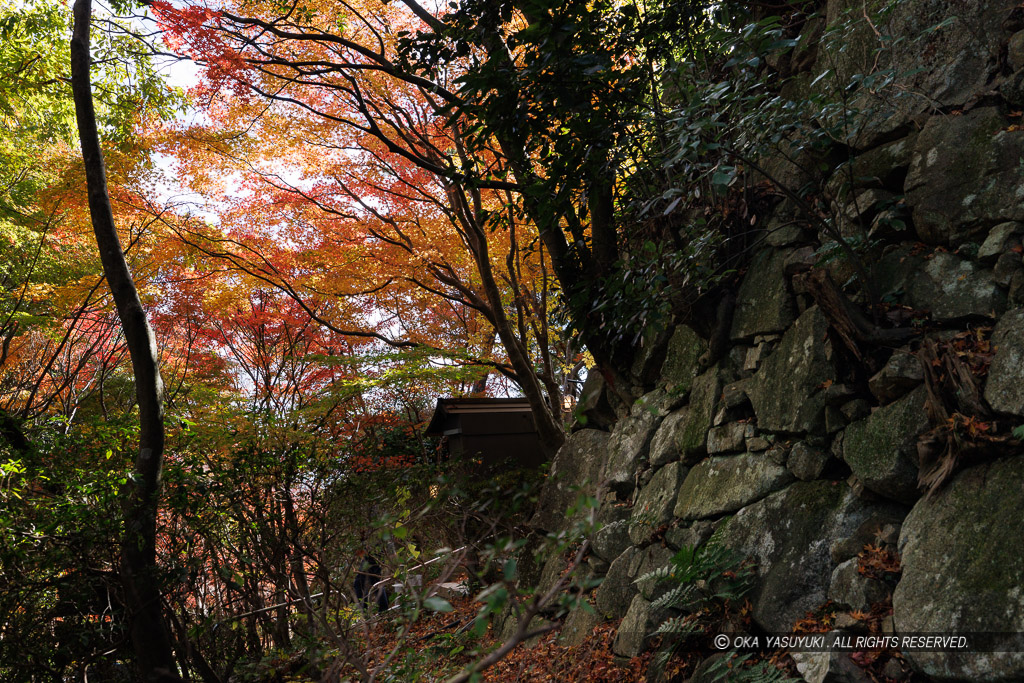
{"x": 788, "y": 392}
{"x": 806, "y": 462}
{"x": 764, "y": 305}
{"x": 1001, "y": 239}
{"x": 901, "y": 373}
{"x": 636, "y": 627}
{"x": 951, "y": 288}
{"x": 682, "y": 360}
{"x": 578, "y": 626}
{"x": 627, "y": 447}
{"x": 932, "y": 68}
{"x": 851, "y": 588}
{"x": 653, "y": 558}
{"x": 612, "y": 536}
{"x": 689, "y": 436}
{"x": 788, "y": 535}
{"x": 653, "y": 507}
{"x": 577, "y": 467}
{"x": 596, "y": 404}
{"x": 672, "y": 438}
{"x": 1004, "y": 388}
{"x": 962, "y": 572}
{"x": 948, "y": 287}
{"x": 781, "y": 413}
{"x": 957, "y": 184}
{"x": 881, "y": 449}
{"x": 615, "y": 593}
{"x": 725, "y": 484}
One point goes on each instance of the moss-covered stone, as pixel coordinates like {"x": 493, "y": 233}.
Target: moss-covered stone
{"x": 789, "y": 391}
{"x": 654, "y": 504}
{"x": 963, "y": 176}
{"x": 763, "y": 303}
{"x": 962, "y": 572}
{"x": 682, "y": 360}
{"x": 616, "y": 591}
{"x": 654, "y": 557}
{"x": 931, "y": 68}
{"x": 879, "y": 449}
{"x": 578, "y": 625}
{"x": 787, "y": 534}
{"x": 634, "y": 632}
{"x": 1004, "y": 388}
{"x": 951, "y": 288}
{"x": 612, "y": 536}
{"x": 577, "y": 467}
{"x": 628, "y": 446}
{"x": 691, "y": 431}
{"x": 725, "y": 484}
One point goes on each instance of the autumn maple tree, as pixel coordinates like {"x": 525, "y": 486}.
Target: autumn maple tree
{"x": 359, "y": 207}
{"x": 491, "y": 137}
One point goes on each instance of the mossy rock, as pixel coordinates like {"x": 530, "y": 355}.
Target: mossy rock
{"x": 962, "y": 573}
{"x": 763, "y": 303}
{"x": 879, "y": 449}
{"x": 789, "y": 390}
{"x": 787, "y": 535}
{"x": 726, "y": 484}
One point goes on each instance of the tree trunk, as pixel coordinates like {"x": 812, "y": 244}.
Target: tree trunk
{"x": 149, "y": 634}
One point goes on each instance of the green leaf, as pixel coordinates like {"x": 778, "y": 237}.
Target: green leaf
{"x": 436, "y": 604}
{"x": 510, "y": 570}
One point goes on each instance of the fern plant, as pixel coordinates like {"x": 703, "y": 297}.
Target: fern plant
{"x": 702, "y": 576}
{"x": 704, "y": 581}
{"x": 733, "y": 668}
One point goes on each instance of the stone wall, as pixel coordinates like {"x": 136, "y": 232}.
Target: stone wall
{"x": 819, "y": 430}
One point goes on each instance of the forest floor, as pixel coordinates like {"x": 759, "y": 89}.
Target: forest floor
{"x": 435, "y": 651}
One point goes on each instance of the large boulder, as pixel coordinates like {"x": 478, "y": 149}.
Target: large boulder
{"x": 763, "y": 303}
{"x": 683, "y": 434}
{"x": 612, "y": 536}
{"x": 962, "y": 573}
{"x": 788, "y": 535}
{"x": 952, "y": 288}
{"x": 598, "y": 407}
{"x": 682, "y": 360}
{"x": 963, "y": 177}
{"x": 1004, "y": 388}
{"x": 635, "y": 631}
{"x": 577, "y": 467}
{"x": 930, "y": 67}
{"x": 654, "y": 504}
{"x": 725, "y": 484}
{"x": 881, "y": 448}
{"x": 789, "y": 392}
{"x": 628, "y": 446}
{"x": 616, "y": 591}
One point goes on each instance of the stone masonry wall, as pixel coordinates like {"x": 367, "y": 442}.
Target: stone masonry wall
{"x": 814, "y": 436}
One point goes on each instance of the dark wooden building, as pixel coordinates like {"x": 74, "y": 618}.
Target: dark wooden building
{"x": 498, "y": 433}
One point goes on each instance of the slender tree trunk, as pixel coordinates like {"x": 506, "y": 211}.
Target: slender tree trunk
{"x": 150, "y": 637}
